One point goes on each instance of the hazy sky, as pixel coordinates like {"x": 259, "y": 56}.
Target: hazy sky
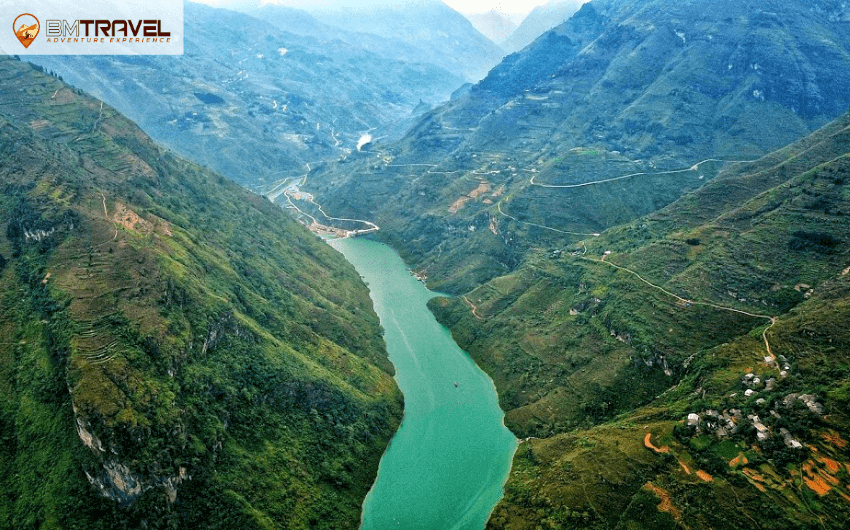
{"x": 505, "y": 6}
{"x": 462, "y": 6}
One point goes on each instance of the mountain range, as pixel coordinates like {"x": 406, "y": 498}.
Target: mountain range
{"x": 257, "y": 106}
{"x": 619, "y": 90}
{"x": 640, "y": 218}
{"x": 708, "y": 344}
{"x": 425, "y": 31}
{"x": 647, "y": 259}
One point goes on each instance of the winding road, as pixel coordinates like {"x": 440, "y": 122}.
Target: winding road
{"x": 499, "y": 208}
{"x": 531, "y": 181}
{"x": 372, "y": 226}
{"x": 474, "y": 309}
{"x": 773, "y": 319}
{"x": 694, "y": 167}
{"x": 287, "y": 188}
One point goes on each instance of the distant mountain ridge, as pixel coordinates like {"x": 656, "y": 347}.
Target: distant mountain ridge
{"x": 493, "y": 25}
{"x": 281, "y": 100}
{"x": 390, "y": 45}
{"x": 429, "y": 30}
{"x": 540, "y": 20}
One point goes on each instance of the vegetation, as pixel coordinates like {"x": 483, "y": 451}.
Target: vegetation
{"x": 664, "y": 316}
{"x": 258, "y": 105}
{"x": 622, "y": 94}
{"x": 656, "y": 410}
{"x": 634, "y": 262}
{"x": 816, "y": 241}
{"x": 174, "y": 351}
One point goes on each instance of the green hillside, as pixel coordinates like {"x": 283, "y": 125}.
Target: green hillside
{"x": 729, "y": 305}
{"x": 610, "y": 116}
{"x": 175, "y": 352}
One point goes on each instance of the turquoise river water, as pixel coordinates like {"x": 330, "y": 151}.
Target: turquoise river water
{"x": 447, "y": 465}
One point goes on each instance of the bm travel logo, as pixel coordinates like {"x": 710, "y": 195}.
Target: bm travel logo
{"x": 96, "y": 27}
{"x": 27, "y": 30}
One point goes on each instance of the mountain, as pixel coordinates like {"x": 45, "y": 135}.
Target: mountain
{"x": 642, "y": 217}
{"x": 27, "y": 32}
{"x": 610, "y": 116}
{"x": 297, "y": 21}
{"x": 539, "y": 21}
{"x": 256, "y": 106}
{"x": 399, "y": 32}
{"x": 175, "y": 351}
{"x": 689, "y": 369}
{"x": 428, "y": 31}
{"x": 493, "y": 25}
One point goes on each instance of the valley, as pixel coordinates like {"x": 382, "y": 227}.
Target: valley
{"x": 624, "y": 295}
{"x": 638, "y": 215}
{"x": 567, "y": 110}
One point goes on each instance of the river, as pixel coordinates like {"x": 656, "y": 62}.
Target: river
{"x": 447, "y": 464}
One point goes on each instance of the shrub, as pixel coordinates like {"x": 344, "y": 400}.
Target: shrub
{"x": 815, "y": 241}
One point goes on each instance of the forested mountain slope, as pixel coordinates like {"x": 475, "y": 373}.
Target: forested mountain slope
{"x": 175, "y": 352}
{"x": 707, "y": 344}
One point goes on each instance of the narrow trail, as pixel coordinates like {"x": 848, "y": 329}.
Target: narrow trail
{"x": 100, "y": 117}
{"x": 773, "y": 319}
{"x": 474, "y": 309}
{"x": 694, "y": 167}
{"x": 638, "y": 276}
{"x": 299, "y": 210}
{"x": 106, "y": 216}
{"x": 278, "y": 189}
{"x": 334, "y": 134}
{"x": 372, "y": 226}
{"x": 499, "y": 208}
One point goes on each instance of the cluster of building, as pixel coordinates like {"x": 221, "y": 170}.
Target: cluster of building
{"x": 729, "y": 422}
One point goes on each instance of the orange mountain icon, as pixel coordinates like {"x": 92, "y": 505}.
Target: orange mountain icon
{"x": 28, "y": 30}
